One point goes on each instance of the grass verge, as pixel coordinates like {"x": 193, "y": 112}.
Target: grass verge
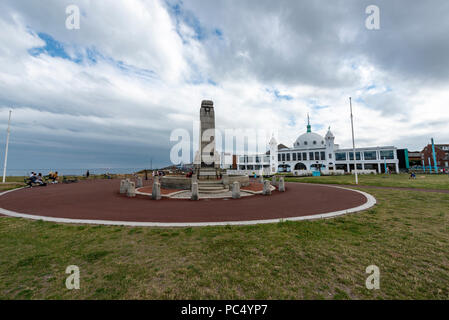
{"x": 422, "y": 181}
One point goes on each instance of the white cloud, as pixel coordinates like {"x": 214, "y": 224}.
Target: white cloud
{"x": 153, "y": 68}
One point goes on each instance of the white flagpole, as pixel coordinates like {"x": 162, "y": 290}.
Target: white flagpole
{"x": 6, "y": 151}
{"x": 353, "y": 144}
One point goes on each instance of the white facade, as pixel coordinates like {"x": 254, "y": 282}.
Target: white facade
{"x": 311, "y": 152}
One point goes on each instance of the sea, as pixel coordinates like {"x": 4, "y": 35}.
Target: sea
{"x": 70, "y": 171}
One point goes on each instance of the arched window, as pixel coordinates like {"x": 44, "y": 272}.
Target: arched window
{"x": 300, "y": 166}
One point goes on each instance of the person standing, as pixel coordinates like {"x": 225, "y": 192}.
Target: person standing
{"x": 87, "y": 174}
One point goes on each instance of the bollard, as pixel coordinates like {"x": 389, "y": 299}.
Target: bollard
{"x": 131, "y": 192}
{"x": 194, "y": 191}
{"x": 236, "y": 190}
{"x": 156, "y": 192}
{"x": 266, "y": 188}
{"x": 281, "y": 186}
{"x": 273, "y": 180}
{"x": 139, "y": 182}
{"x": 123, "y": 186}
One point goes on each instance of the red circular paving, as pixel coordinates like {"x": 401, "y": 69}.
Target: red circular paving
{"x": 100, "y": 200}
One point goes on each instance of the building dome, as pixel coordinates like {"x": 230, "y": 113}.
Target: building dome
{"x": 309, "y": 140}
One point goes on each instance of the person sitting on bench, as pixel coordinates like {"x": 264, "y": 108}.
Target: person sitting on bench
{"x": 39, "y": 180}
{"x": 53, "y": 177}
{"x": 32, "y": 179}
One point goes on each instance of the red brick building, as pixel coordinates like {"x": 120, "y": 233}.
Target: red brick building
{"x": 441, "y": 153}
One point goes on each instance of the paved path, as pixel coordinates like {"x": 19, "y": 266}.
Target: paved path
{"x": 100, "y": 200}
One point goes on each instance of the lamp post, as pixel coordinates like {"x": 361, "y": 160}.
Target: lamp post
{"x": 353, "y": 144}
{"x": 7, "y": 144}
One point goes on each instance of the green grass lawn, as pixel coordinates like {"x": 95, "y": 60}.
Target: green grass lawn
{"x": 424, "y": 181}
{"x": 406, "y": 235}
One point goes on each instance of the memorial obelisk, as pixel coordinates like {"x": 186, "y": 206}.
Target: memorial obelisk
{"x": 207, "y": 160}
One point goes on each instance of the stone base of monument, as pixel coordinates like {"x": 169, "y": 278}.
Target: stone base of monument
{"x": 212, "y": 186}
{"x": 206, "y": 183}
{"x": 207, "y": 174}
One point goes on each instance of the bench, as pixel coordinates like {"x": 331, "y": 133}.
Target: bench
{"x": 29, "y": 183}
{"x": 65, "y": 180}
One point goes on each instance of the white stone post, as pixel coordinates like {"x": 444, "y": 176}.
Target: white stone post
{"x": 266, "y": 188}
{"x": 139, "y": 182}
{"x": 156, "y": 192}
{"x": 131, "y": 192}
{"x": 236, "y": 190}
{"x": 273, "y": 180}
{"x": 194, "y": 191}
{"x": 123, "y": 186}
{"x": 281, "y": 184}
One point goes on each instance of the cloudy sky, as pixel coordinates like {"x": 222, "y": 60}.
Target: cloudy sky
{"x": 109, "y": 94}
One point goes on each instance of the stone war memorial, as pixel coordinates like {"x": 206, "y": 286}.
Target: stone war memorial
{"x": 211, "y": 179}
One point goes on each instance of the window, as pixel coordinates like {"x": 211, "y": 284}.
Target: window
{"x": 305, "y": 143}
{"x": 241, "y": 159}
{"x": 304, "y": 156}
{"x": 330, "y": 155}
{"x": 314, "y": 142}
{"x": 311, "y": 156}
{"x": 279, "y": 157}
{"x": 257, "y": 159}
{"x": 323, "y": 156}
{"x": 288, "y": 156}
{"x": 387, "y": 154}
{"x": 322, "y": 142}
{"x": 370, "y": 155}
{"x": 299, "y": 156}
{"x": 357, "y": 155}
{"x": 340, "y": 156}
{"x": 294, "y": 156}
{"x": 283, "y": 157}
{"x": 317, "y": 156}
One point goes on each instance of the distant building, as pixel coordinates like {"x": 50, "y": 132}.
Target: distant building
{"x": 414, "y": 158}
{"x": 313, "y": 152}
{"x": 441, "y": 153}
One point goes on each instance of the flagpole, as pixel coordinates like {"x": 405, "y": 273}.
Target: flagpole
{"x": 353, "y": 144}
{"x": 7, "y": 144}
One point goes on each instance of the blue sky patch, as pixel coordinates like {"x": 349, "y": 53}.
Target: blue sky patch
{"x": 52, "y": 47}
{"x": 279, "y": 96}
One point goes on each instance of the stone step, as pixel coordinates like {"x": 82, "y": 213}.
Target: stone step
{"x": 209, "y": 182}
{"x": 212, "y": 187}
{"x": 212, "y": 191}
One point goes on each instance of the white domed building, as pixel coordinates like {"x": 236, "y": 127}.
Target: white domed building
{"x": 313, "y": 152}
{"x": 310, "y": 151}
